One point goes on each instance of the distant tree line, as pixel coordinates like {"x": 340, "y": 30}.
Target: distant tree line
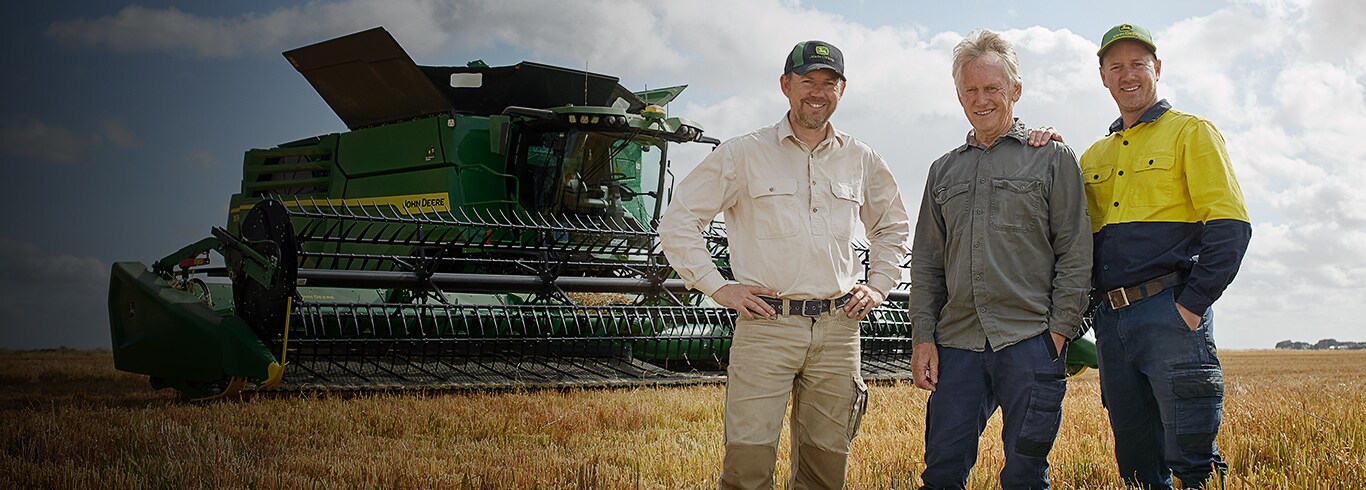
{"x": 1325, "y": 344}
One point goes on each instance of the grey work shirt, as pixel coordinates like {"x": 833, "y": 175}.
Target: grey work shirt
{"x": 1002, "y": 248}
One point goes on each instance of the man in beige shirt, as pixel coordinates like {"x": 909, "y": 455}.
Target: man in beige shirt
{"x": 792, "y": 194}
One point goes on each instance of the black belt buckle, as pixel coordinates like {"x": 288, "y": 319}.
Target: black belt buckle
{"x": 815, "y": 307}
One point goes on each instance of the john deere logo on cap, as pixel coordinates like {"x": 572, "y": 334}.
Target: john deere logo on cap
{"x": 822, "y": 50}
{"x": 1126, "y": 27}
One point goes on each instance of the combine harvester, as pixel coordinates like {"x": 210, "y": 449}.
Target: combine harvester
{"x": 477, "y": 227}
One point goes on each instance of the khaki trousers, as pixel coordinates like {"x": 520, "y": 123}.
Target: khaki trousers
{"x": 816, "y": 362}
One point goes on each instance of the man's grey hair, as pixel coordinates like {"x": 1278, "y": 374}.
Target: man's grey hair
{"x": 979, "y": 44}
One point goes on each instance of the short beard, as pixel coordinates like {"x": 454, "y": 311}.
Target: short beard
{"x": 804, "y": 122}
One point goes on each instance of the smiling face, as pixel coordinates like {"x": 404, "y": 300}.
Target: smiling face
{"x": 1131, "y": 71}
{"x": 812, "y": 97}
{"x": 988, "y": 98}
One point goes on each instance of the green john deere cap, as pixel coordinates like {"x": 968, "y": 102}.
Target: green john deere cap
{"x": 1126, "y": 31}
{"x": 815, "y": 55}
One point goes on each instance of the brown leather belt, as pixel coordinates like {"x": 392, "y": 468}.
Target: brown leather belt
{"x": 806, "y": 307}
{"x": 1122, "y": 297}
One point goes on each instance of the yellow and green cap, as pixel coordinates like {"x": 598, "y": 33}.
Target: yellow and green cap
{"x": 1126, "y": 31}
{"x": 815, "y": 55}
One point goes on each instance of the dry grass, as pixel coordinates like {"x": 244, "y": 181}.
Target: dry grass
{"x": 1292, "y": 420}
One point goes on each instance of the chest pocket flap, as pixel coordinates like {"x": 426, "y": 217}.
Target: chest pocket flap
{"x": 847, "y": 191}
{"x": 1097, "y": 175}
{"x": 1161, "y": 161}
{"x": 772, "y": 187}
{"x": 944, "y": 193}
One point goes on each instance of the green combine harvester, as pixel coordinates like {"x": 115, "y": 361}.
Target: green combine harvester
{"x": 476, "y": 227}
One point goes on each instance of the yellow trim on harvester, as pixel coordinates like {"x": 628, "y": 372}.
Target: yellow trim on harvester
{"x": 405, "y": 204}
{"x": 276, "y": 371}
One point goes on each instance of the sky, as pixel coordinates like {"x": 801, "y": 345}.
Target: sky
{"x": 123, "y": 125}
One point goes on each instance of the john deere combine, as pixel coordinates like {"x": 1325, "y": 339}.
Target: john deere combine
{"x": 477, "y": 227}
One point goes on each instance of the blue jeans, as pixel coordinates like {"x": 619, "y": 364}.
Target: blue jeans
{"x": 1025, "y": 382}
{"x": 1163, "y": 387}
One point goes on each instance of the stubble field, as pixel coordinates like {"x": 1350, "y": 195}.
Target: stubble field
{"x": 1292, "y": 420}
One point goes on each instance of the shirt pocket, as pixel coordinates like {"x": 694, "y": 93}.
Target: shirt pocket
{"x": 1156, "y": 179}
{"x": 1016, "y": 205}
{"x": 845, "y": 207}
{"x": 1099, "y": 188}
{"x": 776, "y": 212}
{"x": 953, "y": 204}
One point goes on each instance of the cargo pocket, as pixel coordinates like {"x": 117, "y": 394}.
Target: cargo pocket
{"x": 859, "y": 407}
{"x": 1043, "y": 415}
{"x": 1199, "y": 390}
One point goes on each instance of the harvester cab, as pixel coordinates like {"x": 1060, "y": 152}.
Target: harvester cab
{"x": 476, "y": 226}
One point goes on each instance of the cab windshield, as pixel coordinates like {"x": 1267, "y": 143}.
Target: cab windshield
{"x": 608, "y": 174}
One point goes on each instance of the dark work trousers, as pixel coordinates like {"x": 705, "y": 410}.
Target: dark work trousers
{"x": 1163, "y": 387}
{"x": 1025, "y": 381}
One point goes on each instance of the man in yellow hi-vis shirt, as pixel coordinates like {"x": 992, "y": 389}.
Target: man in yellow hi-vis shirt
{"x": 1170, "y": 230}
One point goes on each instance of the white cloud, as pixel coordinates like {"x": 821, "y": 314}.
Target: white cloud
{"x": 1282, "y": 79}
{"x": 200, "y": 159}
{"x": 36, "y": 140}
{"x": 51, "y": 299}
{"x": 136, "y": 28}
{"x": 117, "y": 134}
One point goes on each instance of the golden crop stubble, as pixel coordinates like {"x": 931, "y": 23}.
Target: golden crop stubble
{"x": 1291, "y": 420}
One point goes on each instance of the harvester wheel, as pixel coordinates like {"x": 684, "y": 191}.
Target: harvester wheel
{"x": 268, "y": 231}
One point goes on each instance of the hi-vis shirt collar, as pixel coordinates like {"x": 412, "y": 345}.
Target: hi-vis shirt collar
{"x": 785, "y": 132}
{"x": 1150, "y": 115}
{"x": 1017, "y": 131}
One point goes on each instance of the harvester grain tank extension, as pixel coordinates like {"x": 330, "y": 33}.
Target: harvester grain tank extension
{"x": 476, "y": 227}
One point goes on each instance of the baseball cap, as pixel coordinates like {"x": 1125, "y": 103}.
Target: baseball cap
{"x": 815, "y": 55}
{"x": 1126, "y": 31}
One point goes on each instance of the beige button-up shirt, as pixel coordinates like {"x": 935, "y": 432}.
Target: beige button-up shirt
{"x": 791, "y": 213}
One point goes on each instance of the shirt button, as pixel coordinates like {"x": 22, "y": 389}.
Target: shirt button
{"x": 982, "y": 309}
{"x": 1126, "y": 142}
{"x": 815, "y": 210}
{"x": 1121, "y": 172}
{"x": 1150, "y": 162}
{"x": 1105, "y": 267}
{"x": 1116, "y": 203}
{"x": 976, "y": 244}
{"x": 770, "y": 189}
{"x": 981, "y": 181}
{"x": 979, "y": 211}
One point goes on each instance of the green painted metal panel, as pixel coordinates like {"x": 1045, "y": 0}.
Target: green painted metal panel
{"x": 164, "y": 332}
{"x": 392, "y": 148}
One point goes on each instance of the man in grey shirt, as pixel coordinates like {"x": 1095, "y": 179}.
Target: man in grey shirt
{"x": 1001, "y": 265}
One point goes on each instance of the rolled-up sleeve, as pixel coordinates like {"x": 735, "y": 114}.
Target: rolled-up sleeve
{"x": 1070, "y": 227}
{"x": 699, "y": 197}
{"x": 887, "y": 225}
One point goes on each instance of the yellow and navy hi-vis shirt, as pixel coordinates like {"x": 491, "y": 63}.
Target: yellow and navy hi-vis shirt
{"x": 1163, "y": 198}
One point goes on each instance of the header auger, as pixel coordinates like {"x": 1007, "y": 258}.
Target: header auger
{"x": 476, "y": 227}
